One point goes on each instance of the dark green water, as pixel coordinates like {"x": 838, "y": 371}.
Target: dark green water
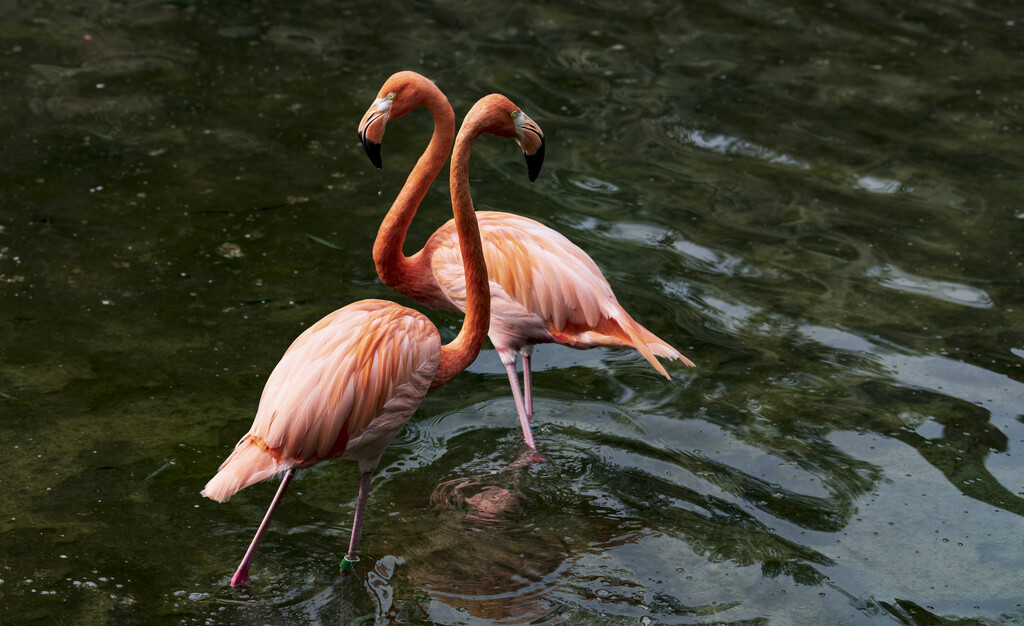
{"x": 821, "y": 204}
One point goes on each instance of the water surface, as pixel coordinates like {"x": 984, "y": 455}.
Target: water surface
{"x": 820, "y": 204}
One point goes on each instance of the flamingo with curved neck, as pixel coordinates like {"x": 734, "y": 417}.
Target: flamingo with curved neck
{"x": 350, "y": 382}
{"x": 544, "y": 289}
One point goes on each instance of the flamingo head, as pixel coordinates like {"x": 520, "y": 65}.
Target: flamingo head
{"x": 401, "y": 93}
{"x": 497, "y": 115}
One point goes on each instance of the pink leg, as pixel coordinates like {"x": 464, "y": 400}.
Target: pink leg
{"x": 517, "y": 396}
{"x": 527, "y": 385}
{"x": 241, "y": 576}
{"x": 352, "y": 557}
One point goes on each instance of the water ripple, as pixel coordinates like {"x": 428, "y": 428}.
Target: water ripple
{"x": 938, "y": 374}
{"x": 875, "y": 184}
{"x": 893, "y": 277}
{"x": 589, "y": 183}
{"x": 735, "y": 146}
{"x": 702, "y": 257}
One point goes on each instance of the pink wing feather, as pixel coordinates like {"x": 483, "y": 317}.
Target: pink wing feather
{"x": 344, "y": 388}
{"x": 544, "y": 288}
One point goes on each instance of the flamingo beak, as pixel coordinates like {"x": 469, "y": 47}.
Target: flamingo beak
{"x": 530, "y": 138}
{"x": 372, "y": 151}
{"x": 535, "y": 160}
{"x": 371, "y": 129}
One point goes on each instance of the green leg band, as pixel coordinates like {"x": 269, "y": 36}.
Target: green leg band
{"x": 348, "y": 564}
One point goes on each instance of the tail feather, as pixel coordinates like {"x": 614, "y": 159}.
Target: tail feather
{"x": 658, "y": 346}
{"x": 621, "y": 331}
{"x": 644, "y": 347}
{"x": 247, "y": 465}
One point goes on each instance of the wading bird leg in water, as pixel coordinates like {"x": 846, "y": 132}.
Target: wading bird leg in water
{"x": 241, "y": 576}
{"x": 508, "y": 358}
{"x": 543, "y": 287}
{"x": 357, "y": 524}
{"x": 349, "y": 383}
{"x": 527, "y": 352}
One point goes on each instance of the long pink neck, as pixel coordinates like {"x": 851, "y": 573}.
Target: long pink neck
{"x": 458, "y": 354}
{"x": 394, "y": 268}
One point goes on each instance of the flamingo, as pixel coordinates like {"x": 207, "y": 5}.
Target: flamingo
{"x": 348, "y": 384}
{"x": 544, "y": 288}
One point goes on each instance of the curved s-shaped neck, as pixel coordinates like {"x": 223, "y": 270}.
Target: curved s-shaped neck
{"x": 394, "y": 268}
{"x": 458, "y": 354}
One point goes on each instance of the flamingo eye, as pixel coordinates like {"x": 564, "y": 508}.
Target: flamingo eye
{"x": 391, "y": 96}
{"x": 515, "y": 114}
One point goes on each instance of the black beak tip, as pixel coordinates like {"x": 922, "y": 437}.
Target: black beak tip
{"x": 372, "y": 151}
{"x": 535, "y": 161}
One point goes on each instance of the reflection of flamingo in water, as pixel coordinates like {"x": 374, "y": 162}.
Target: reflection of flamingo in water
{"x": 481, "y": 549}
{"x": 544, "y": 289}
{"x": 491, "y": 501}
{"x": 350, "y": 382}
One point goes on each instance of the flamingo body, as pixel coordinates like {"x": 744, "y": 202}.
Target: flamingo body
{"x": 349, "y": 383}
{"x": 344, "y": 389}
{"x": 544, "y": 289}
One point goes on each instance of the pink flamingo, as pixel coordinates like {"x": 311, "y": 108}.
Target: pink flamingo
{"x": 544, "y": 288}
{"x": 348, "y": 384}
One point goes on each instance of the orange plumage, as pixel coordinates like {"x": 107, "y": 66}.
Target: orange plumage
{"x": 350, "y": 382}
{"x": 330, "y": 387}
{"x": 544, "y": 288}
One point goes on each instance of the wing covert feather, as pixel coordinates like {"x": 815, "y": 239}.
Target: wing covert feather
{"x": 340, "y": 373}
{"x": 535, "y": 265}
{"x": 544, "y": 288}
